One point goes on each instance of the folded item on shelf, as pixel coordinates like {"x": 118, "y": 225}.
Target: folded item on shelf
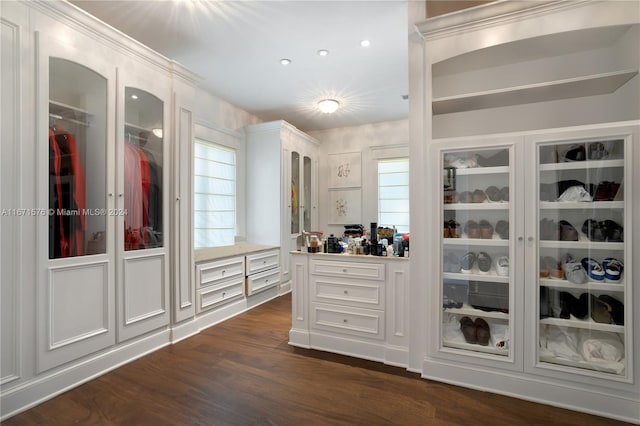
{"x": 561, "y": 342}
{"x": 575, "y": 193}
{"x": 602, "y": 349}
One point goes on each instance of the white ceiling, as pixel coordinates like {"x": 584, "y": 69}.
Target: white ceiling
{"x": 236, "y": 46}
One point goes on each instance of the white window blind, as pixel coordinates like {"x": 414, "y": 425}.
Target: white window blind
{"x": 393, "y": 193}
{"x": 214, "y": 198}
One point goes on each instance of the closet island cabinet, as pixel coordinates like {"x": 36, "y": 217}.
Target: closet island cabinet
{"x": 91, "y": 284}
{"x": 532, "y": 122}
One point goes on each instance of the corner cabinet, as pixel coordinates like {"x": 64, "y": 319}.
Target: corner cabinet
{"x": 531, "y": 122}
{"x": 282, "y": 188}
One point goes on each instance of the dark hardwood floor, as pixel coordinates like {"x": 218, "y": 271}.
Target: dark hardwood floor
{"x": 243, "y": 372}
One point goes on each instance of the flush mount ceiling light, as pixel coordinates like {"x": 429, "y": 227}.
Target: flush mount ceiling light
{"x": 323, "y": 52}
{"x": 365, "y": 43}
{"x": 285, "y": 61}
{"x": 328, "y": 106}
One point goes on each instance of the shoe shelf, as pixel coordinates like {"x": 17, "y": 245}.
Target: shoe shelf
{"x": 482, "y": 171}
{"x": 470, "y": 311}
{"x": 491, "y": 276}
{"x": 583, "y": 243}
{"x": 588, "y": 324}
{"x": 581, "y": 165}
{"x": 461, "y": 344}
{"x": 578, "y": 364}
{"x": 583, "y": 205}
{"x": 588, "y": 286}
{"x": 494, "y": 242}
{"x": 477, "y": 206}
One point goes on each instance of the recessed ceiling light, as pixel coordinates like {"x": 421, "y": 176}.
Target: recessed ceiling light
{"x": 328, "y": 106}
{"x": 134, "y": 96}
{"x": 365, "y": 43}
{"x": 323, "y": 52}
{"x": 285, "y": 61}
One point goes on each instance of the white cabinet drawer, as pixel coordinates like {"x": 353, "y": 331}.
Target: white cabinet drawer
{"x": 223, "y": 292}
{"x": 367, "y": 323}
{"x": 353, "y": 292}
{"x": 263, "y": 261}
{"x": 210, "y": 273}
{"x": 369, "y": 271}
{"x": 262, "y": 281}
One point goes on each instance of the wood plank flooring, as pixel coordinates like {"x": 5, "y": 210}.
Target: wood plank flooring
{"x": 243, "y": 372}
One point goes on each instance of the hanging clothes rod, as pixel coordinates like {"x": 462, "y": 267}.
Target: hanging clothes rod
{"x": 70, "y": 120}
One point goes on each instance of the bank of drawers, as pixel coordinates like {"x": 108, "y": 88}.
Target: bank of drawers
{"x": 348, "y": 297}
{"x": 219, "y": 282}
{"x": 263, "y": 271}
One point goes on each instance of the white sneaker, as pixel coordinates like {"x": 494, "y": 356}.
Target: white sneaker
{"x": 502, "y": 266}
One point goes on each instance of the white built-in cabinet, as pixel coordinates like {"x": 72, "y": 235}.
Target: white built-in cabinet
{"x": 91, "y": 194}
{"x": 282, "y": 182}
{"x": 522, "y": 101}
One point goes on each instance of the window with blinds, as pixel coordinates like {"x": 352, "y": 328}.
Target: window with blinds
{"x": 393, "y": 193}
{"x": 214, "y": 198}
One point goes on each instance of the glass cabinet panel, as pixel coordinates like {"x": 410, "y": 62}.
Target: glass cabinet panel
{"x": 581, "y": 254}
{"x": 476, "y": 241}
{"x": 77, "y": 160}
{"x": 143, "y": 168}
{"x": 295, "y": 192}
{"x": 306, "y": 200}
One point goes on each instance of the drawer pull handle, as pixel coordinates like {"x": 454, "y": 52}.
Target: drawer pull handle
{"x": 223, "y": 271}
{"x": 266, "y": 281}
{"x": 344, "y": 320}
{"x": 264, "y": 262}
{"x": 346, "y": 292}
{"x": 223, "y": 294}
{"x": 344, "y": 270}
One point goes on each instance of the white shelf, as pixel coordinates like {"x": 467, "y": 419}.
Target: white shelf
{"x": 474, "y": 347}
{"x": 494, "y": 242}
{"x": 577, "y": 364}
{"x": 583, "y": 243}
{"x": 584, "y": 205}
{"x": 589, "y": 85}
{"x": 587, "y": 324}
{"x": 476, "y": 276}
{"x": 581, "y": 165}
{"x": 470, "y": 311}
{"x": 498, "y": 205}
{"x": 588, "y": 286}
{"x": 65, "y": 110}
{"x": 482, "y": 171}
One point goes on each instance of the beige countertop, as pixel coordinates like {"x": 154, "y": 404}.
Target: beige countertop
{"x": 213, "y": 253}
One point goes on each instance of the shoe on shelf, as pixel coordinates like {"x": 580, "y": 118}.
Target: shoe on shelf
{"x": 502, "y": 265}
{"x": 549, "y": 230}
{"x": 484, "y": 262}
{"x": 493, "y": 193}
{"x": 454, "y": 229}
{"x": 600, "y": 310}
{"x": 468, "y": 329}
{"x": 450, "y": 197}
{"x": 467, "y": 262}
{"x": 616, "y": 308}
{"x": 597, "y": 151}
{"x": 483, "y": 333}
{"x": 451, "y": 263}
{"x": 502, "y": 229}
{"x": 504, "y": 193}
{"x": 567, "y": 231}
{"x": 593, "y": 268}
{"x": 575, "y": 153}
{"x": 573, "y": 270}
{"x": 578, "y": 307}
{"x": 575, "y": 194}
{"x": 486, "y": 229}
{"x": 592, "y": 229}
{"x": 478, "y": 196}
{"x": 554, "y": 267}
{"x": 612, "y": 270}
{"x": 611, "y": 230}
{"x": 602, "y": 191}
{"x": 472, "y": 229}
{"x": 465, "y": 197}
{"x": 544, "y": 270}
{"x": 446, "y": 231}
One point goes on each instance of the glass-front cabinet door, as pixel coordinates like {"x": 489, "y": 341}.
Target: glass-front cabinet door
{"x": 476, "y": 276}
{"x": 143, "y": 169}
{"x": 583, "y": 283}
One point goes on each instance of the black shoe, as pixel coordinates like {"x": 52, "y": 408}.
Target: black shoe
{"x": 592, "y": 229}
{"x": 600, "y": 310}
{"x": 616, "y": 308}
{"x": 578, "y": 307}
{"x": 611, "y": 230}
{"x": 575, "y": 153}
{"x": 502, "y": 229}
{"x": 567, "y": 231}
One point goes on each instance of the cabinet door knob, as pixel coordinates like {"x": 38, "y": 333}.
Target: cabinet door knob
{"x": 344, "y": 320}
{"x": 530, "y": 239}
{"x": 111, "y": 194}
{"x": 344, "y": 270}
{"x": 520, "y": 238}
{"x": 346, "y": 292}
